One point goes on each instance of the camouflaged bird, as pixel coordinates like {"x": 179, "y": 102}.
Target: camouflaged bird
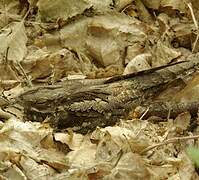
{"x": 85, "y": 104}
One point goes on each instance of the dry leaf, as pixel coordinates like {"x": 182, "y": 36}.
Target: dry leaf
{"x": 139, "y": 63}
{"x": 9, "y": 11}
{"x": 13, "y": 42}
{"x": 182, "y": 121}
{"x": 61, "y": 9}
{"x": 130, "y": 166}
{"x": 164, "y": 54}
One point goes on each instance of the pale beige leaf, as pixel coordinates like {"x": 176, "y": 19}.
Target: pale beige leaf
{"x": 182, "y": 121}
{"x": 139, "y": 63}
{"x": 174, "y": 4}
{"x": 61, "y": 9}
{"x": 154, "y": 4}
{"x": 101, "y": 6}
{"x": 164, "y": 54}
{"x": 13, "y": 42}
{"x": 130, "y": 166}
{"x": 9, "y": 11}
{"x": 74, "y": 141}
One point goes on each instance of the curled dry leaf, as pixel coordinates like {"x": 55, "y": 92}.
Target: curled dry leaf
{"x": 164, "y": 54}
{"x": 139, "y": 63}
{"x": 107, "y": 149}
{"x": 92, "y": 38}
{"x": 35, "y": 170}
{"x": 105, "y": 51}
{"x": 11, "y": 171}
{"x": 173, "y": 4}
{"x": 101, "y": 6}
{"x": 12, "y": 51}
{"x": 143, "y": 12}
{"x": 120, "y": 5}
{"x": 9, "y": 12}
{"x": 130, "y": 166}
{"x": 74, "y": 141}
{"x": 21, "y": 144}
{"x": 182, "y": 121}
{"x": 190, "y": 92}
{"x": 42, "y": 64}
{"x": 13, "y": 42}
{"x": 62, "y": 9}
{"x": 124, "y": 137}
{"x": 154, "y": 4}
{"x": 133, "y": 51}
{"x": 186, "y": 168}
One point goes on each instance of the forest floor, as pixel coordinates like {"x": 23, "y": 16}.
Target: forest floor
{"x": 45, "y": 42}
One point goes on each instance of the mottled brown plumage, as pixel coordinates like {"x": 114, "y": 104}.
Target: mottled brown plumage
{"x": 85, "y": 104}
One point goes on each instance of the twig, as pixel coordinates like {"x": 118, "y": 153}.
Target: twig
{"x": 169, "y": 114}
{"x": 5, "y": 97}
{"x": 168, "y": 141}
{"x": 126, "y": 7}
{"x": 119, "y": 157}
{"x": 28, "y": 81}
{"x": 196, "y": 25}
{"x": 6, "y": 55}
{"x": 129, "y": 144}
{"x": 144, "y": 113}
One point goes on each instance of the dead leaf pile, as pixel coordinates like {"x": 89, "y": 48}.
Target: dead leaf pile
{"x": 45, "y": 42}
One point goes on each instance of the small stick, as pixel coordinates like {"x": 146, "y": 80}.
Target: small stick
{"x": 168, "y": 141}
{"x": 144, "y": 113}
{"x": 28, "y": 81}
{"x": 196, "y": 25}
